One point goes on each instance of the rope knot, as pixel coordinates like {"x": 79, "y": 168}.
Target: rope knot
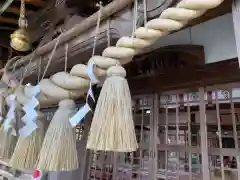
{"x": 99, "y": 4}
{"x": 116, "y": 71}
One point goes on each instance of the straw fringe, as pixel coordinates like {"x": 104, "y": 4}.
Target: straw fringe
{"x": 112, "y": 126}
{"x": 2, "y": 108}
{"x": 58, "y": 151}
{"x": 8, "y": 142}
{"x": 27, "y": 151}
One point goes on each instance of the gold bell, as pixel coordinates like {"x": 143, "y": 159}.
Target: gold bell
{"x": 20, "y": 40}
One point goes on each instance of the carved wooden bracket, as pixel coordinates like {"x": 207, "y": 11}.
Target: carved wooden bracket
{"x": 187, "y": 78}
{"x": 163, "y": 60}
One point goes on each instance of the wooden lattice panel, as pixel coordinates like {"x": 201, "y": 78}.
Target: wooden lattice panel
{"x": 182, "y": 135}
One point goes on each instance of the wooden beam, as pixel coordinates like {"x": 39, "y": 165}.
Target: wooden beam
{"x": 44, "y": 18}
{"x": 74, "y": 32}
{"x": 224, "y": 8}
{"x": 39, "y": 3}
{"x": 15, "y": 10}
{"x": 166, "y": 59}
{"x": 204, "y": 136}
{"x": 236, "y": 25}
{"x": 216, "y": 73}
{"x": 8, "y": 20}
{"x": 7, "y": 28}
{"x": 196, "y": 52}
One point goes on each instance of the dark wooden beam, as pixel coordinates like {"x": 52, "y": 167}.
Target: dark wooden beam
{"x": 45, "y": 18}
{"x": 16, "y": 11}
{"x": 4, "y": 38}
{"x": 224, "y": 8}
{"x": 216, "y": 73}
{"x": 196, "y": 52}
{"x": 39, "y": 3}
{"x": 165, "y": 59}
{"x": 8, "y": 20}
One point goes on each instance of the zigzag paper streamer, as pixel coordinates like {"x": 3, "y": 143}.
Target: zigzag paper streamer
{"x": 10, "y": 118}
{"x": 29, "y": 108}
{"x": 82, "y": 112}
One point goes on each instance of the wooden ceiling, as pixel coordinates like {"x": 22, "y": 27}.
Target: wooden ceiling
{"x": 9, "y": 18}
{"x": 9, "y": 23}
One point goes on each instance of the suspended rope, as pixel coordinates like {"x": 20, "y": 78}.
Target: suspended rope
{"x": 97, "y": 27}
{"x": 66, "y": 58}
{"x": 20, "y": 39}
{"x": 4, "y": 7}
{"x": 82, "y": 112}
{"x": 39, "y": 69}
{"x": 51, "y": 57}
{"x": 108, "y": 32}
{"x": 135, "y": 9}
{"x": 145, "y": 11}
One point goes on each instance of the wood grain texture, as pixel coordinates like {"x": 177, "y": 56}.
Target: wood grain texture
{"x": 190, "y": 78}
{"x": 236, "y": 23}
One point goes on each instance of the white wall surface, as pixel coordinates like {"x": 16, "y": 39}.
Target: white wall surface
{"x": 216, "y": 35}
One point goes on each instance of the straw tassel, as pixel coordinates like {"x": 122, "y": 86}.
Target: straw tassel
{"x": 112, "y": 127}
{"x": 27, "y": 150}
{"x": 8, "y": 138}
{"x": 58, "y": 151}
{"x": 2, "y": 112}
{"x": 2, "y": 108}
{"x": 8, "y": 142}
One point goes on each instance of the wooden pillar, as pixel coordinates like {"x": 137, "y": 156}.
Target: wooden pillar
{"x": 236, "y": 23}
{"x": 85, "y": 161}
{"x": 203, "y": 136}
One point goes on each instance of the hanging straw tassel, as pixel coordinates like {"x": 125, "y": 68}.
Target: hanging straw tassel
{"x": 2, "y": 108}
{"x": 2, "y": 113}
{"x": 27, "y": 150}
{"x": 8, "y": 140}
{"x": 58, "y": 151}
{"x": 112, "y": 126}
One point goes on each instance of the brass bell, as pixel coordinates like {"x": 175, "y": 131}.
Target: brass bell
{"x": 20, "y": 40}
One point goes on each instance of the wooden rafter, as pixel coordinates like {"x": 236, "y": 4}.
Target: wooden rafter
{"x": 39, "y": 3}
{"x": 16, "y": 10}
{"x": 8, "y": 20}
{"x": 7, "y": 28}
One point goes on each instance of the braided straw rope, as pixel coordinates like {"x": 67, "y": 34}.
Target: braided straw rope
{"x": 63, "y": 85}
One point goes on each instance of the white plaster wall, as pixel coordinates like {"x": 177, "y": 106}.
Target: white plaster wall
{"x": 218, "y": 38}
{"x": 216, "y": 35}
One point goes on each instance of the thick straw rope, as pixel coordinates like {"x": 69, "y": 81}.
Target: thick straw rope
{"x": 63, "y": 85}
